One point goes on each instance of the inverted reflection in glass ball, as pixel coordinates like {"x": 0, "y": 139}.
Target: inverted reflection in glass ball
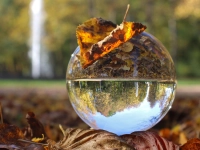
{"x": 129, "y": 89}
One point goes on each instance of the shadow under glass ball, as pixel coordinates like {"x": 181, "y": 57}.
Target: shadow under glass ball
{"x": 129, "y": 89}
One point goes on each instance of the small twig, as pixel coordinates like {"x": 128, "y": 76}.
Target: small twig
{"x": 128, "y": 6}
{"x": 26, "y": 141}
{"x": 1, "y": 116}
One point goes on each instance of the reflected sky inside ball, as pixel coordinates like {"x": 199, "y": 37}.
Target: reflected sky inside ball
{"x": 130, "y": 119}
{"x": 125, "y": 90}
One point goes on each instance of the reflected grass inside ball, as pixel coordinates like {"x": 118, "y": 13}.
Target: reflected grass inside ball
{"x": 129, "y": 89}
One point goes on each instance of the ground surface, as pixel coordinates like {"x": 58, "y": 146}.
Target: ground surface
{"x": 52, "y": 107}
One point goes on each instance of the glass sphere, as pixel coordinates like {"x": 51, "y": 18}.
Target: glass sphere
{"x": 129, "y": 89}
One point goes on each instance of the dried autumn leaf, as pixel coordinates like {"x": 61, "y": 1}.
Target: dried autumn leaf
{"x": 9, "y": 134}
{"x": 35, "y": 129}
{"x": 38, "y": 140}
{"x": 148, "y": 140}
{"x": 193, "y": 144}
{"x": 91, "y": 32}
{"x": 175, "y": 135}
{"x": 96, "y": 40}
{"x": 89, "y": 140}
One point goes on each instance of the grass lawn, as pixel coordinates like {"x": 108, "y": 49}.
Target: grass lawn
{"x": 13, "y": 83}
{"x": 188, "y": 82}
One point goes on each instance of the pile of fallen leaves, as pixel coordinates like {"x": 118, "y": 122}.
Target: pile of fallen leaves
{"x": 52, "y": 107}
{"x": 34, "y": 137}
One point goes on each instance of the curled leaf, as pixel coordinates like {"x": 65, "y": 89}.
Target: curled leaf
{"x": 35, "y": 129}
{"x": 148, "y": 140}
{"x": 89, "y": 139}
{"x": 38, "y": 140}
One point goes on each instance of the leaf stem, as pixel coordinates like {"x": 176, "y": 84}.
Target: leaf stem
{"x": 125, "y": 15}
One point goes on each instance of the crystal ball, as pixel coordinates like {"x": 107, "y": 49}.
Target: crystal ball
{"x": 129, "y": 89}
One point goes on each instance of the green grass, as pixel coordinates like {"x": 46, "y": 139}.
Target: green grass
{"x": 14, "y": 83}
{"x": 188, "y": 82}
{"x": 31, "y": 83}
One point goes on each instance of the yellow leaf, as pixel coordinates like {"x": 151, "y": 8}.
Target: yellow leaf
{"x": 38, "y": 140}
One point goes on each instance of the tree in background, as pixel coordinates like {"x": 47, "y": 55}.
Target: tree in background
{"x": 174, "y": 24}
{"x": 14, "y": 33}
{"x": 188, "y": 30}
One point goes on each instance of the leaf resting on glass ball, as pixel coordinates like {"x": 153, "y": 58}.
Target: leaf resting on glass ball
{"x": 97, "y": 37}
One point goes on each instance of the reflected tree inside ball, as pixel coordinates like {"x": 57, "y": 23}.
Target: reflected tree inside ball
{"x": 129, "y": 89}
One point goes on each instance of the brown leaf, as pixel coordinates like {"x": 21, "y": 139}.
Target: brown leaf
{"x": 97, "y": 37}
{"x": 91, "y": 32}
{"x": 148, "y": 140}
{"x": 9, "y": 134}
{"x": 89, "y": 140}
{"x": 35, "y": 129}
{"x": 175, "y": 135}
{"x": 193, "y": 144}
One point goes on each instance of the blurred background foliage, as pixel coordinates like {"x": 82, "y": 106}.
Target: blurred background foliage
{"x": 176, "y": 23}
